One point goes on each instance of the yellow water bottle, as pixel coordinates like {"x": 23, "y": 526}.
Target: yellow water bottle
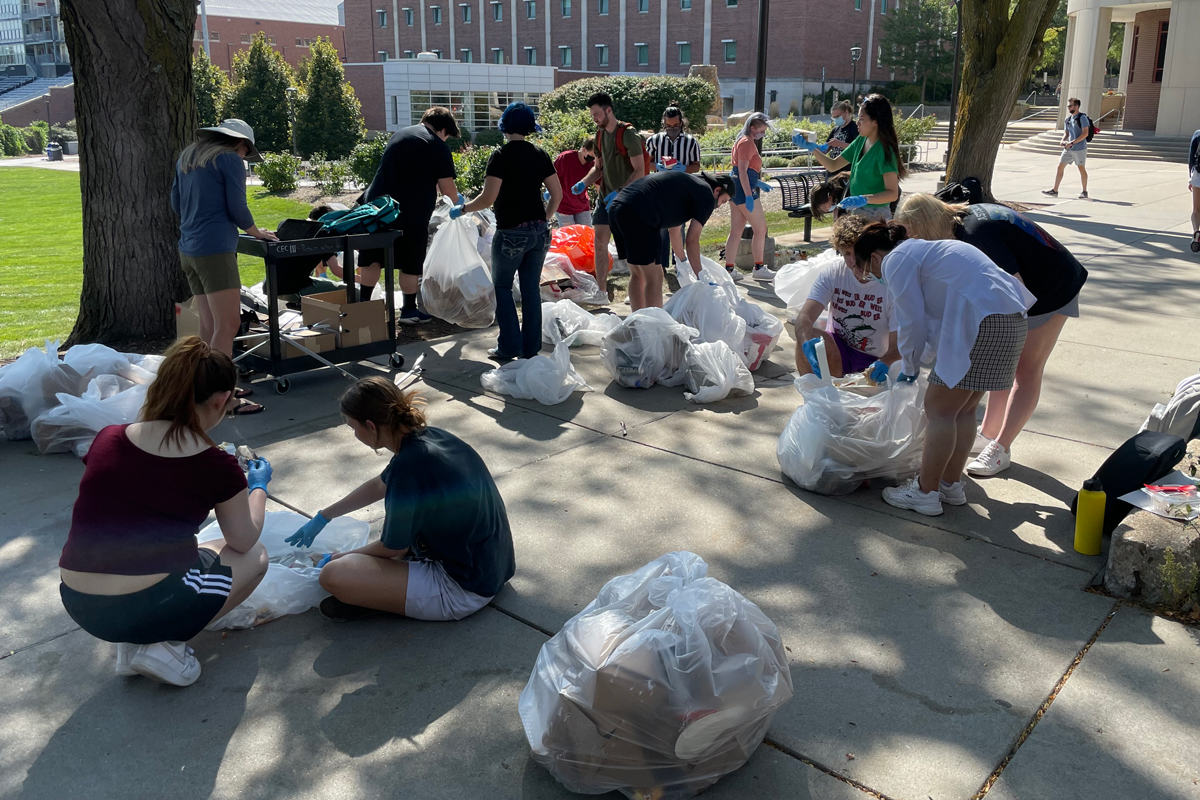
{"x": 1089, "y": 518}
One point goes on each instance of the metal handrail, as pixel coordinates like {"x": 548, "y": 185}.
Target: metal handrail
{"x": 1037, "y": 113}
{"x": 1032, "y": 95}
{"x": 921, "y": 107}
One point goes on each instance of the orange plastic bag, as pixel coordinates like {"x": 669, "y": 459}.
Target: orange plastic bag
{"x": 578, "y": 243}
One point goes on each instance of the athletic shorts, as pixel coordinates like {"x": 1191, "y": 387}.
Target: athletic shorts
{"x": 208, "y": 274}
{"x": 637, "y": 241}
{"x": 600, "y": 216}
{"x": 1070, "y": 310}
{"x": 173, "y": 610}
{"x": 852, "y": 360}
{"x": 1195, "y": 179}
{"x": 1076, "y": 157}
{"x": 582, "y": 218}
{"x": 739, "y": 196}
{"x": 408, "y": 250}
{"x": 435, "y": 596}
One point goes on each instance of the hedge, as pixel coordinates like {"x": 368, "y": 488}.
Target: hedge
{"x": 638, "y": 101}
{"x": 12, "y": 141}
{"x": 279, "y": 172}
{"x": 365, "y": 158}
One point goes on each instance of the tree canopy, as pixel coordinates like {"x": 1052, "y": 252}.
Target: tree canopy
{"x": 329, "y": 117}
{"x": 259, "y": 95}
{"x": 920, "y": 36}
{"x": 212, "y": 90}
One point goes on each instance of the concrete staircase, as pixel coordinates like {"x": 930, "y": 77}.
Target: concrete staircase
{"x": 1137, "y": 145}
{"x": 1014, "y": 132}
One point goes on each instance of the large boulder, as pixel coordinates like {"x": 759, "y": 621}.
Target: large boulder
{"x": 1138, "y": 556}
{"x": 708, "y": 72}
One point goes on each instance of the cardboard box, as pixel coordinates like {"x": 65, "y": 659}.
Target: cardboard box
{"x": 353, "y": 323}
{"x": 315, "y": 340}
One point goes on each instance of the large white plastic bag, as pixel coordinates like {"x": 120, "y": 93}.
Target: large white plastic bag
{"x": 341, "y": 534}
{"x": 794, "y": 281}
{"x": 71, "y": 426}
{"x": 548, "y": 379}
{"x": 710, "y": 272}
{"x": 666, "y": 682}
{"x": 457, "y": 286}
{"x": 564, "y": 321}
{"x": 31, "y": 385}
{"x": 713, "y": 372}
{"x": 648, "y": 347}
{"x": 709, "y": 308}
{"x": 762, "y": 333}
{"x": 839, "y": 439}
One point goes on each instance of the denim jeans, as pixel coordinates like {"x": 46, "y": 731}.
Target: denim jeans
{"x": 519, "y": 252}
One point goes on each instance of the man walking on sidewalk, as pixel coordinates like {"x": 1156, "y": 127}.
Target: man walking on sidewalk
{"x": 1074, "y": 144}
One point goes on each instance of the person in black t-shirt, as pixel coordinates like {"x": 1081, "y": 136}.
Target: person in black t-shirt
{"x": 416, "y": 165}
{"x": 516, "y": 173}
{"x": 844, "y": 131}
{"x": 647, "y": 206}
{"x": 1020, "y": 247}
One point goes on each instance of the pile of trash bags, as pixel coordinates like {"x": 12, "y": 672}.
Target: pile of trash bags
{"x": 292, "y": 583}
{"x": 666, "y": 682}
{"x": 457, "y": 285}
{"x": 648, "y": 347}
{"x": 62, "y": 403}
{"x": 839, "y": 438}
{"x": 564, "y": 321}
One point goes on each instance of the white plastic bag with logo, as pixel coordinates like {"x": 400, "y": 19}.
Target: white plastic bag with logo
{"x": 648, "y": 347}
{"x": 714, "y": 372}
{"x": 548, "y": 379}
{"x": 564, "y": 321}
{"x": 457, "y": 286}
{"x": 709, "y": 308}
{"x": 71, "y": 427}
{"x": 839, "y": 439}
{"x": 666, "y": 682}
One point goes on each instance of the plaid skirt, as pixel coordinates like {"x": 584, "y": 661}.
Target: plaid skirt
{"x": 994, "y": 355}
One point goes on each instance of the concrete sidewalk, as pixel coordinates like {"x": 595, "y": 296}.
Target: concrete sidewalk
{"x": 922, "y": 650}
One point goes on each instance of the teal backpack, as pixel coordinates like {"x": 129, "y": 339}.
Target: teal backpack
{"x": 377, "y": 215}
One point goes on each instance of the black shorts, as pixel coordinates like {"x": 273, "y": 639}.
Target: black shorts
{"x": 638, "y": 242}
{"x": 173, "y": 610}
{"x": 409, "y": 250}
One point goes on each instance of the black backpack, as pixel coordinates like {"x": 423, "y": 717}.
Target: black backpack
{"x": 1144, "y": 458}
{"x": 970, "y": 191}
{"x": 1092, "y": 128}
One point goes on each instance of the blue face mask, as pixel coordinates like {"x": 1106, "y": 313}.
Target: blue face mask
{"x": 837, "y": 122}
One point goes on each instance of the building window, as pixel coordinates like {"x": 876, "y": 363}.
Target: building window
{"x": 497, "y": 55}
{"x": 1133, "y": 52}
{"x": 530, "y": 9}
{"x": 531, "y": 56}
{"x": 564, "y": 56}
{"x": 437, "y": 14}
{"x": 643, "y": 6}
{"x": 197, "y": 36}
{"x": 383, "y": 55}
{"x": 602, "y": 7}
{"x": 1160, "y": 58}
{"x": 382, "y": 17}
{"x": 497, "y": 11}
{"x": 879, "y": 56}
{"x": 602, "y": 55}
{"x": 395, "y": 115}
{"x": 685, "y": 52}
{"x": 730, "y": 51}
{"x": 685, "y": 5}
{"x": 858, "y": 5}
{"x": 467, "y": 56}
{"x": 213, "y": 36}
{"x": 246, "y": 38}
{"x": 409, "y": 54}
{"x": 271, "y": 41}
{"x": 731, "y": 3}
{"x": 408, "y": 17}
{"x": 437, "y": 53}
{"x": 883, "y": 6}
{"x": 643, "y": 54}
{"x": 303, "y": 42}
{"x": 466, "y": 13}
{"x": 566, "y": 8}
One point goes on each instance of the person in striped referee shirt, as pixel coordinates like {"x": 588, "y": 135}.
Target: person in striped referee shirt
{"x": 672, "y": 148}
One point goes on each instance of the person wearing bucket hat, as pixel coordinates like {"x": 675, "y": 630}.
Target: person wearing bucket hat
{"x": 516, "y": 173}
{"x": 209, "y": 195}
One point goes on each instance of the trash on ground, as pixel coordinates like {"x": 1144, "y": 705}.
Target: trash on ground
{"x": 548, "y": 379}
{"x": 762, "y": 333}
{"x": 564, "y": 321}
{"x": 578, "y": 244}
{"x": 665, "y": 683}
{"x": 709, "y": 308}
{"x": 648, "y": 347}
{"x": 713, "y": 372}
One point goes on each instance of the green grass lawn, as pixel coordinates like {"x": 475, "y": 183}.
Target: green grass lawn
{"x": 778, "y": 224}
{"x": 41, "y": 252}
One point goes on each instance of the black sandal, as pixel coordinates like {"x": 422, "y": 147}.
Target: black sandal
{"x": 246, "y": 408}
{"x": 1196, "y": 242}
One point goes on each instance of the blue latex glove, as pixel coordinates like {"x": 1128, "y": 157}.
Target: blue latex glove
{"x": 324, "y": 560}
{"x": 804, "y": 144}
{"x": 679, "y": 166}
{"x": 579, "y": 188}
{"x": 608, "y": 200}
{"x": 546, "y": 195}
{"x": 749, "y": 202}
{"x": 855, "y": 201}
{"x": 902, "y": 378}
{"x": 258, "y": 474}
{"x": 308, "y": 531}
{"x": 824, "y": 148}
{"x": 462, "y": 201}
{"x": 763, "y": 185}
{"x": 878, "y": 372}
{"x": 457, "y": 211}
{"x": 809, "y": 348}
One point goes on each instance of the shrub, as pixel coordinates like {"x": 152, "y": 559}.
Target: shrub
{"x": 331, "y": 176}
{"x": 774, "y": 162}
{"x": 365, "y": 157}
{"x": 636, "y": 100}
{"x": 911, "y": 131}
{"x": 212, "y": 90}
{"x": 328, "y": 117}
{"x": 36, "y": 136}
{"x": 563, "y": 130}
{"x": 803, "y": 161}
{"x": 908, "y": 95}
{"x": 777, "y": 138}
{"x": 64, "y": 133}
{"x": 278, "y": 171}
{"x": 489, "y": 138}
{"x": 12, "y": 141}
{"x": 456, "y": 143}
{"x": 471, "y": 165}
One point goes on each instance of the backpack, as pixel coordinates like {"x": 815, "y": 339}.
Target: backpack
{"x": 380, "y": 214}
{"x": 970, "y": 191}
{"x": 1093, "y": 128}
{"x": 1146, "y": 457}
{"x": 619, "y": 135}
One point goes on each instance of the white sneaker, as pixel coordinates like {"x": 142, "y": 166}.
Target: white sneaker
{"x": 763, "y": 274}
{"x": 909, "y": 496}
{"x": 125, "y": 653}
{"x": 993, "y": 460}
{"x": 952, "y": 493}
{"x": 736, "y": 275}
{"x": 981, "y": 442}
{"x": 166, "y": 662}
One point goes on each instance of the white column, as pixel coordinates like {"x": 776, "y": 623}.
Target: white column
{"x": 424, "y": 44}
{"x": 453, "y": 12}
{"x": 1126, "y": 54}
{"x": 707, "y": 33}
{"x": 583, "y": 48}
{"x": 483, "y": 53}
{"x": 1179, "y": 100}
{"x": 512, "y": 19}
{"x": 1068, "y": 65}
{"x": 870, "y": 51}
{"x": 396, "y": 28}
{"x": 1088, "y": 59}
{"x": 622, "y": 36}
{"x": 549, "y": 61}
{"x": 662, "y": 37}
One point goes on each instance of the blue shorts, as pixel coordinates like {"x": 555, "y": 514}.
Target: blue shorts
{"x": 739, "y": 197}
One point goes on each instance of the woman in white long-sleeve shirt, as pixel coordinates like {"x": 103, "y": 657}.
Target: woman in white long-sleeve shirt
{"x": 950, "y": 296}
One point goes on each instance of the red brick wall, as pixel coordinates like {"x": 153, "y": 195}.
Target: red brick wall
{"x": 230, "y": 30}
{"x": 1141, "y": 100}
{"x": 367, "y": 81}
{"x": 62, "y": 109}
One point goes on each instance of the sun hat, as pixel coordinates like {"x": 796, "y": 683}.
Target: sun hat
{"x": 237, "y": 129}
{"x": 518, "y": 118}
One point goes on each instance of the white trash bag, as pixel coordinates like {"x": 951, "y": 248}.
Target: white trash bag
{"x": 666, "y": 682}
{"x": 709, "y": 308}
{"x": 548, "y": 379}
{"x": 564, "y": 321}
{"x": 648, "y": 347}
{"x": 30, "y": 386}
{"x": 71, "y": 426}
{"x": 762, "y": 333}
{"x": 714, "y": 372}
{"x": 292, "y": 583}
{"x": 710, "y": 272}
{"x": 794, "y": 281}
{"x": 561, "y": 281}
{"x": 457, "y": 286}
{"x": 838, "y": 439}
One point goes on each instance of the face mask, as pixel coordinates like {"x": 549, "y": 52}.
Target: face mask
{"x": 838, "y": 122}
{"x": 759, "y": 134}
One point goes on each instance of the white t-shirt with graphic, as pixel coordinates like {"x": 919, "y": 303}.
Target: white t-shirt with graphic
{"x": 860, "y": 313}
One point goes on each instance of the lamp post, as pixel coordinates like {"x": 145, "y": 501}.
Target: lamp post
{"x": 954, "y": 82}
{"x": 291, "y": 96}
{"x": 855, "y": 55}
{"x": 760, "y": 71}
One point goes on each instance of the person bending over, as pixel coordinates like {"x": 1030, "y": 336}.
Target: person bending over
{"x": 131, "y": 570}
{"x": 860, "y": 336}
{"x": 446, "y": 548}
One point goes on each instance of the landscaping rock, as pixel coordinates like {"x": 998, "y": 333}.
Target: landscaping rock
{"x": 1138, "y": 553}
{"x": 745, "y": 256}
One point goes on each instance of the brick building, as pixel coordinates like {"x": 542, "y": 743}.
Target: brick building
{"x": 290, "y": 26}
{"x": 662, "y": 37}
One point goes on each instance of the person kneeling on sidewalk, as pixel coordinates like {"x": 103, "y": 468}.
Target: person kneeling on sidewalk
{"x": 131, "y": 571}
{"x": 446, "y": 548}
{"x": 860, "y": 336}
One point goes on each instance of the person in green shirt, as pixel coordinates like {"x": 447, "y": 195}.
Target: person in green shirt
{"x": 874, "y": 160}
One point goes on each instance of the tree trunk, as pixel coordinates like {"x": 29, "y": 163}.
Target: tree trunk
{"x": 135, "y": 110}
{"x": 998, "y": 54}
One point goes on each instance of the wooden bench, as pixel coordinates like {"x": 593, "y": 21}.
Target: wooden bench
{"x": 796, "y": 192}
